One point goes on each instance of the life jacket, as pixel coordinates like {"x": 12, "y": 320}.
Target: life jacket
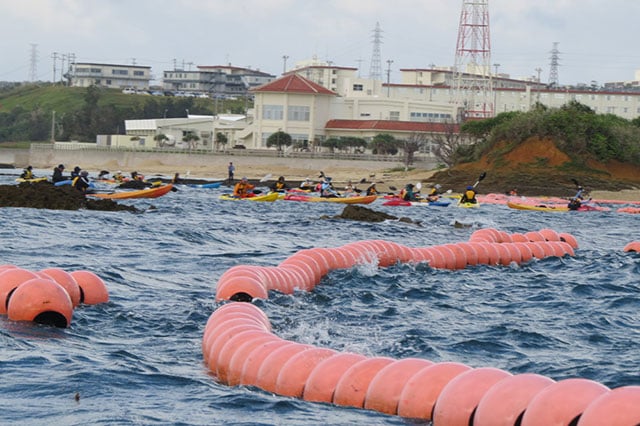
{"x": 469, "y": 196}
{"x": 27, "y": 174}
{"x": 279, "y": 185}
{"x": 241, "y": 189}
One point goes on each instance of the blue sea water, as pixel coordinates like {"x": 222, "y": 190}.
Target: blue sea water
{"x": 138, "y": 358}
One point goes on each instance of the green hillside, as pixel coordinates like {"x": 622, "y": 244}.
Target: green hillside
{"x": 26, "y": 111}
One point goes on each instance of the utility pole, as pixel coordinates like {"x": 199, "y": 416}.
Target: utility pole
{"x": 53, "y": 126}
{"x": 284, "y": 63}
{"x": 389, "y": 62}
{"x": 538, "y": 70}
{"x": 33, "y": 72}
{"x": 54, "y": 56}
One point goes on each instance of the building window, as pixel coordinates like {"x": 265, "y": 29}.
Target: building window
{"x": 272, "y": 112}
{"x": 119, "y": 72}
{"x": 298, "y": 113}
{"x": 394, "y": 115}
{"x": 358, "y": 87}
{"x": 138, "y": 73}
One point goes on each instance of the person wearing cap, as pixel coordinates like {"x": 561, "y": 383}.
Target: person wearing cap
{"x": 408, "y": 193}
{"x": 118, "y": 177}
{"x": 57, "y": 174}
{"x": 280, "y": 185}
{"x": 469, "y": 196}
{"x": 307, "y": 184}
{"x": 327, "y": 189}
{"x": 27, "y": 173}
{"x": 243, "y": 189}
{"x": 81, "y": 183}
{"x": 372, "y": 190}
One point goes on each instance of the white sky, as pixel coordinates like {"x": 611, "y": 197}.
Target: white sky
{"x": 598, "y": 39}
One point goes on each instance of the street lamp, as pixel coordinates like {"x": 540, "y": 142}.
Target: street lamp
{"x": 389, "y": 62}
{"x": 187, "y": 112}
{"x": 165, "y": 112}
{"x": 284, "y": 65}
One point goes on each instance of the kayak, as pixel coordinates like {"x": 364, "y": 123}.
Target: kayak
{"x": 553, "y": 207}
{"x": 400, "y": 202}
{"x": 154, "y": 192}
{"x": 33, "y": 180}
{"x": 468, "y": 205}
{"x": 363, "y": 199}
{"x": 270, "y": 197}
{"x": 207, "y": 185}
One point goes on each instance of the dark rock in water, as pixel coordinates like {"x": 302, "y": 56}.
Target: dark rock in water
{"x": 44, "y": 195}
{"x": 363, "y": 214}
{"x": 135, "y": 184}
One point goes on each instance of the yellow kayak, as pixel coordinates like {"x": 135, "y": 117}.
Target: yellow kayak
{"x": 33, "y": 180}
{"x": 270, "y": 197}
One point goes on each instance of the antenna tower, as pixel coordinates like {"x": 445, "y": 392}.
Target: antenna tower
{"x": 555, "y": 62}
{"x": 375, "y": 71}
{"x": 472, "y": 88}
{"x": 33, "y": 68}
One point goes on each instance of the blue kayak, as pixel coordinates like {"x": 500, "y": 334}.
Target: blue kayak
{"x": 207, "y": 185}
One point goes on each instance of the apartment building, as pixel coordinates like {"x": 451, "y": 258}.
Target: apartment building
{"x": 215, "y": 81}
{"x": 84, "y": 74}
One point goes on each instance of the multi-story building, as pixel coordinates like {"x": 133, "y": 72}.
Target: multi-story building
{"x": 219, "y": 80}
{"x": 83, "y": 74}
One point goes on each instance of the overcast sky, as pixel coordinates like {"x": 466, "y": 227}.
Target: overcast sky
{"x": 598, "y": 40}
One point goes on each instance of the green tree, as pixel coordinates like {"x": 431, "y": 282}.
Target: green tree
{"x": 279, "y": 139}
{"x": 221, "y": 139}
{"x": 384, "y": 144}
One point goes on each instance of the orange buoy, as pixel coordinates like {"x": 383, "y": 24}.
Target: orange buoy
{"x": 620, "y": 407}
{"x": 570, "y": 239}
{"x": 272, "y": 365}
{"x": 633, "y": 246}
{"x": 449, "y": 256}
{"x": 461, "y": 396}
{"x": 549, "y": 234}
{"x": 421, "y": 391}
{"x": 525, "y": 252}
{"x": 67, "y": 282}
{"x": 505, "y": 401}
{"x": 10, "y": 279}
{"x": 505, "y": 256}
{"x": 562, "y": 402}
{"x": 322, "y": 381}
{"x": 481, "y": 251}
{"x": 459, "y": 256}
{"x": 386, "y": 387}
{"x": 295, "y": 372}
{"x": 470, "y": 253}
{"x": 534, "y": 236}
{"x": 92, "y": 289}
{"x": 537, "y": 249}
{"x": 41, "y": 300}
{"x": 236, "y": 363}
{"x": 253, "y": 361}
{"x": 516, "y": 254}
{"x": 240, "y": 288}
{"x": 227, "y": 351}
{"x": 437, "y": 260}
{"x": 352, "y": 387}
{"x": 217, "y": 336}
{"x": 519, "y": 238}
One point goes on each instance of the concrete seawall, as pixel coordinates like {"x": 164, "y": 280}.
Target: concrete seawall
{"x": 196, "y": 164}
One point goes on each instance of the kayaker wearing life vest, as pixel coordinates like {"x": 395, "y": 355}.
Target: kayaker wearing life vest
{"x": 434, "y": 193}
{"x": 81, "y": 183}
{"x": 576, "y": 201}
{"x": 243, "y": 189}
{"x": 469, "y": 196}
{"x": 408, "y": 194}
{"x": 371, "y": 190}
{"x": 280, "y": 185}
{"x": 27, "y": 173}
{"x": 57, "y": 174}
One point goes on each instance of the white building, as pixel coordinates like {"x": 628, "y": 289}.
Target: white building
{"x": 83, "y": 74}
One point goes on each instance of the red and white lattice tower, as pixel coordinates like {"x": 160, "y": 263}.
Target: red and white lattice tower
{"x": 472, "y": 86}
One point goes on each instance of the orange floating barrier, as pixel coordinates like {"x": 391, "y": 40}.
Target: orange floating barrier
{"x": 41, "y": 300}
{"x": 352, "y": 387}
{"x": 421, "y": 392}
{"x": 568, "y": 238}
{"x": 506, "y": 401}
{"x": 619, "y": 407}
{"x": 460, "y": 397}
{"x": 253, "y": 361}
{"x": 384, "y": 391}
{"x": 294, "y": 373}
{"x": 633, "y": 246}
{"x": 562, "y": 402}
{"x": 322, "y": 381}
{"x": 241, "y": 353}
{"x": 10, "y": 279}
{"x": 92, "y": 289}
{"x": 272, "y": 365}
{"x": 67, "y": 282}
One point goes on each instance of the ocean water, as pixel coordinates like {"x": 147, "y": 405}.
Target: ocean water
{"x": 138, "y": 358}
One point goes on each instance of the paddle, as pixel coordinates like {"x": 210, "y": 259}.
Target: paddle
{"x": 482, "y": 176}
{"x": 266, "y": 178}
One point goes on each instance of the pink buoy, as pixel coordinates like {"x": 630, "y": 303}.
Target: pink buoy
{"x": 423, "y": 389}
{"x": 562, "y": 402}
{"x": 461, "y": 396}
{"x": 309, "y": 272}
{"x": 525, "y": 251}
{"x": 241, "y": 289}
{"x": 519, "y": 238}
{"x": 227, "y": 351}
{"x": 537, "y": 250}
{"x": 470, "y": 253}
{"x": 254, "y": 360}
{"x": 322, "y": 381}
{"x": 272, "y": 365}
{"x": 65, "y": 280}
{"x": 570, "y": 239}
{"x": 10, "y": 279}
{"x": 633, "y": 246}
{"x": 516, "y": 255}
{"x": 41, "y": 300}
{"x": 386, "y": 387}
{"x": 492, "y": 252}
{"x": 352, "y": 387}
{"x": 242, "y": 352}
{"x": 505, "y": 237}
{"x": 505, "y": 402}
{"x": 504, "y": 254}
{"x": 448, "y": 255}
{"x": 549, "y": 234}
{"x": 294, "y": 373}
{"x": 218, "y": 337}
{"x": 620, "y": 407}
{"x": 459, "y": 256}
{"x": 92, "y": 289}
{"x": 437, "y": 258}
{"x": 534, "y": 236}
{"x": 482, "y": 252}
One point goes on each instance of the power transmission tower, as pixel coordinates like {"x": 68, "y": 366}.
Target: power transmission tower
{"x": 472, "y": 86}
{"x": 33, "y": 68}
{"x": 554, "y": 64}
{"x": 375, "y": 70}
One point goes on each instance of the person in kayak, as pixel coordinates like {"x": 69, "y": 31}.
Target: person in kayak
{"x": 75, "y": 173}
{"x": 576, "y": 201}
{"x": 81, "y": 182}
{"x": 243, "y": 189}
{"x": 434, "y": 193}
{"x": 408, "y": 193}
{"x": 469, "y": 196}
{"x": 27, "y": 173}
{"x": 57, "y": 174}
{"x": 280, "y": 185}
{"x": 327, "y": 189}
{"x": 307, "y": 185}
{"x": 371, "y": 190}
